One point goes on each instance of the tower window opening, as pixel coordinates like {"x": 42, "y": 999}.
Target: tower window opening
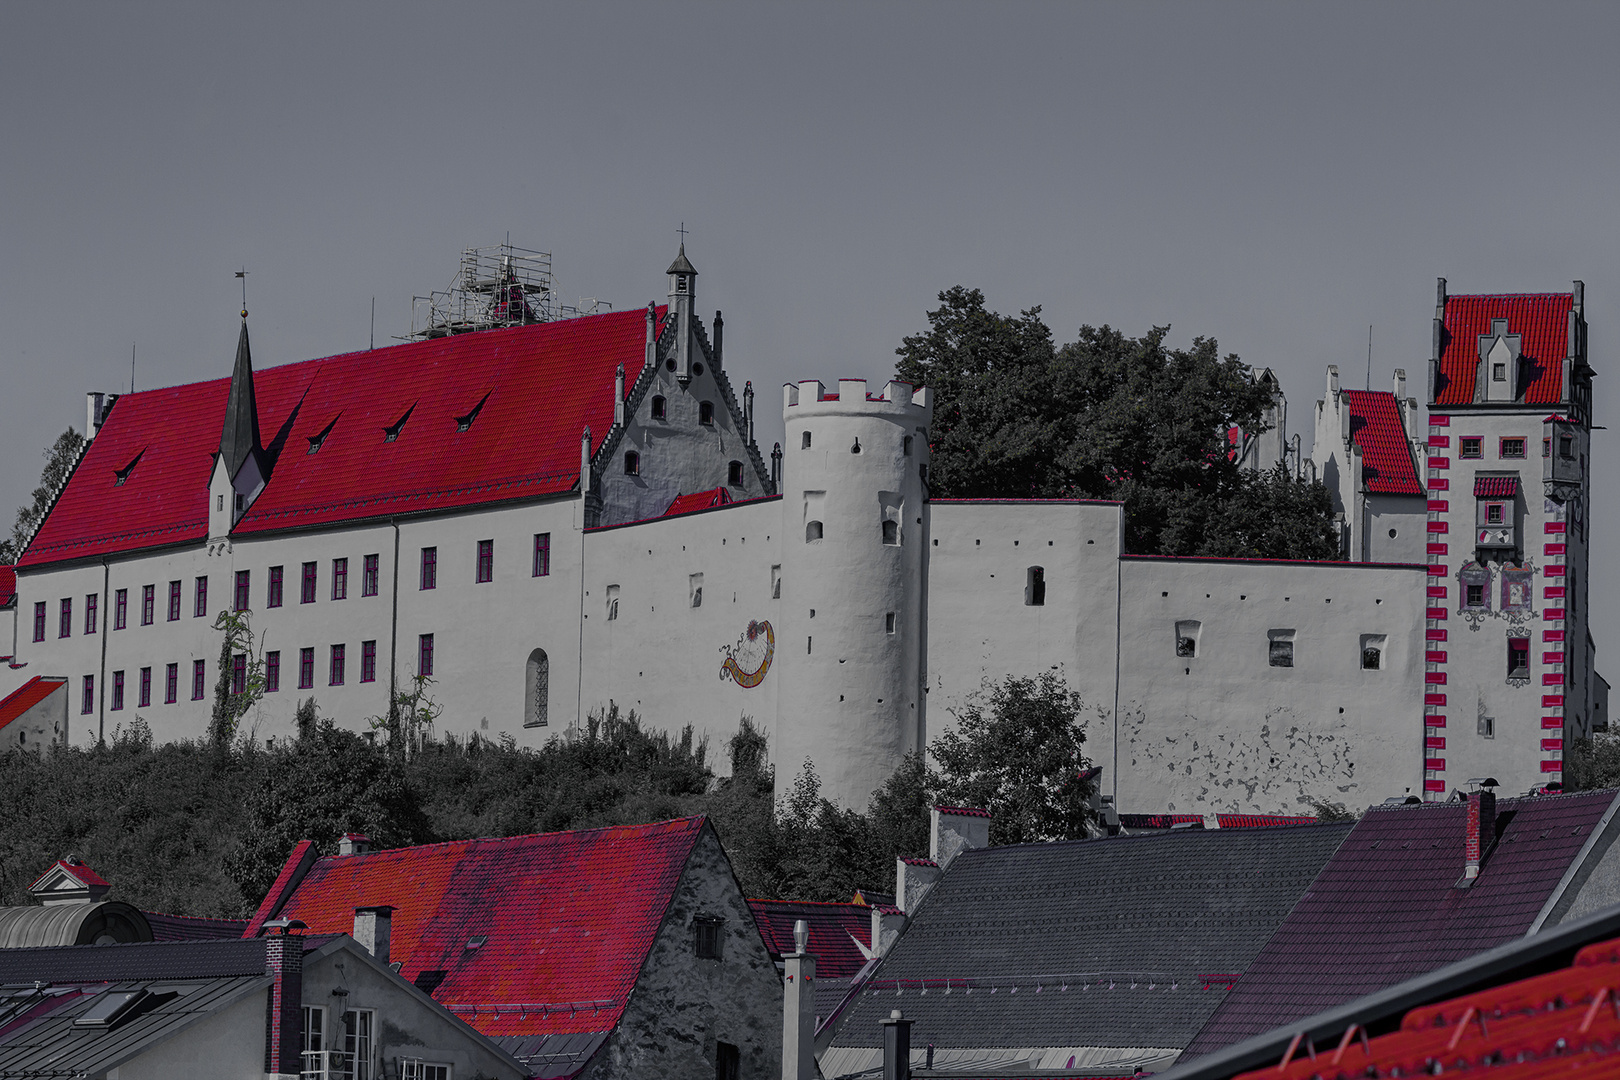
{"x": 776, "y": 582}
{"x": 1518, "y": 657}
{"x": 888, "y": 622}
{"x": 891, "y": 533}
{"x": 1035, "y": 586}
{"x": 658, "y": 407}
{"x": 1187, "y": 634}
{"x": 734, "y": 474}
{"x": 537, "y": 689}
{"x": 1280, "y": 648}
{"x": 706, "y": 413}
{"x": 612, "y": 602}
{"x": 1372, "y": 651}
{"x": 812, "y": 532}
{"x": 632, "y": 463}
{"x": 804, "y": 441}
{"x": 695, "y": 586}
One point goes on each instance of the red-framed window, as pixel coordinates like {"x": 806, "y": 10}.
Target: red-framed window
{"x": 272, "y": 671}
{"x": 92, "y": 603}
{"x": 306, "y": 668}
{"x": 118, "y": 691}
{"x": 88, "y": 705}
{"x": 239, "y": 673}
{"x": 336, "y": 669}
{"x": 171, "y": 684}
{"x": 120, "y": 609}
{"x": 306, "y": 592}
{"x": 148, "y": 604}
{"x": 174, "y": 601}
{"x": 368, "y": 661}
{"x": 244, "y": 582}
{"x": 430, "y": 568}
{"x": 340, "y": 579}
{"x": 1471, "y": 446}
{"x": 144, "y": 700}
{"x": 64, "y": 621}
{"x": 424, "y": 655}
{"x": 1518, "y": 658}
{"x": 39, "y": 620}
{"x": 368, "y": 576}
{"x": 542, "y": 554}
{"x": 486, "y": 560}
{"x": 1512, "y": 446}
{"x": 200, "y": 608}
{"x": 199, "y": 679}
{"x": 272, "y": 595}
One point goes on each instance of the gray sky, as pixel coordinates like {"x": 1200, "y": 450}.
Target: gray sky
{"x": 1274, "y": 176}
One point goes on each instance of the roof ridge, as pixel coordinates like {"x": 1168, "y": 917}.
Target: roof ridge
{"x": 647, "y": 825}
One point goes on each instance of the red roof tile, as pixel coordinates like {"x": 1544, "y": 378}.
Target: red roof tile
{"x": 1541, "y": 320}
{"x": 838, "y": 932}
{"x": 1495, "y": 487}
{"x": 1386, "y": 907}
{"x": 535, "y": 388}
{"x": 1386, "y": 458}
{"x": 565, "y": 917}
{"x": 8, "y": 586}
{"x": 702, "y": 500}
{"x": 78, "y": 871}
{"x": 28, "y": 695}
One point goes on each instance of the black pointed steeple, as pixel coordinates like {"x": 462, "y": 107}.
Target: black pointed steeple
{"x": 240, "y": 439}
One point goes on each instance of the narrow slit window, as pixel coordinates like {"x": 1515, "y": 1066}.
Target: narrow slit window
{"x": 659, "y": 407}
{"x": 734, "y": 474}
{"x": 1035, "y": 586}
{"x": 695, "y": 588}
{"x": 804, "y": 441}
{"x": 612, "y": 602}
{"x": 632, "y": 463}
{"x": 486, "y": 561}
{"x": 776, "y": 582}
{"x": 888, "y": 622}
{"x": 537, "y": 690}
{"x": 706, "y": 413}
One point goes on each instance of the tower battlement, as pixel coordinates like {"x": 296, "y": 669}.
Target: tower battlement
{"x": 850, "y": 396}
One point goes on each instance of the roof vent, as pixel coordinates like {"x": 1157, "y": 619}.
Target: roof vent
{"x": 391, "y": 432}
{"x": 476, "y": 942}
{"x": 465, "y": 422}
{"x": 315, "y": 441}
{"x": 354, "y": 843}
{"x": 120, "y": 475}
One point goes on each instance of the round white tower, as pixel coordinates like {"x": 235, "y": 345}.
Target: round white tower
{"x": 854, "y": 553}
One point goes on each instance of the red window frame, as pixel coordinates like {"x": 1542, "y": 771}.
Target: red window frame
{"x": 120, "y": 609}
{"x": 430, "y": 569}
{"x": 486, "y": 561}
{"x": 368, "y": 576}
{"x": 1502, "y": 446}
{"x": 424, "y": 655}
{"x": 39, "y": 620}
{"x": 92, "y": 603}
{"x": 368, "y": 661}
{"x": 118, "y": 691}
{"x": 200, "y": 610}
{"x": 199, "y": 679}
{"x": 306, "y": 668}
{"x": 1478, "y": 442}
{"x": 272, "y": 593}
{"x": 88, "y": 705}
{"x": 64, "y": 621}
{"x": 335, "y": 670}
{"x": 272, "y": 671}
{"x": 148, "y": 604}
{"x": 542, "y": 554}
{"x": 306, "y": 590}
{"x": 174, "y": 601}
{"x": 244, "y": 583}
{"x": 171, "y": 684}
{"x": 144, "y": 701}
{"x": 239, "y": 673}
{"x": 340, "y": 579}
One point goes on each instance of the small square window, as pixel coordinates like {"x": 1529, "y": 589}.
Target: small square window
{"x": 1470, "y": 446}
{"x": 1187, "y": 632}
{"x": 708, "y": 937}
{"x": 1513, "y": 448}
{"x": 1474, "y": 595}
{"x": 1493, "y": 513}
{"x": 1280, "y": 651}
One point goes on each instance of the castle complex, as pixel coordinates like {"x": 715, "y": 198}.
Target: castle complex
{"x": 547, "y": 516}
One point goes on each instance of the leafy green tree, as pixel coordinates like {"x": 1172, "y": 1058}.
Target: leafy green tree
{"x": 1107, "y": 417}
{"x": 231, "y": 703}
{"x": 1018, "y": 751}
{"x": 1590, "y": 764}
{"x": 59, "y": 461}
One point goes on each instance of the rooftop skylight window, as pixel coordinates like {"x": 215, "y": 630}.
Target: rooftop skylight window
{"x": 112, "y": 1007}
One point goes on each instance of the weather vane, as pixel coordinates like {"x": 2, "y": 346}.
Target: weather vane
{"x": 242, "y": 274}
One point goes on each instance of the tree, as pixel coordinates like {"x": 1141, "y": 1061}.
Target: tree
{"x": 1017, "y": 751}
{"x": 60, "y": 459}
{"x": 230, "y": 702}
{"x": 1107, "y": 417}
{"x": 1593, "y": 763}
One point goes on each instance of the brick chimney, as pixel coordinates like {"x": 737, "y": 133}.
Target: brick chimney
{"x": 799, "y": 1008}
{"x": 284, "y": 963}
{"x": 1481, "y": 831}
{"x": 372, "y": 929}
{"x": 954, "y": 829}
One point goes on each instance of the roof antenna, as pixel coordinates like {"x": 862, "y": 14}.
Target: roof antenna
{"x": 1369, "y": 356}
{"x": 242, "y": 274}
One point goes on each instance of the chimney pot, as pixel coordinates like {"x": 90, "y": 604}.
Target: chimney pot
{"x": 373, "y": 927}
{"x": 354, "y": 843}
{"x": 896, "y": 1047}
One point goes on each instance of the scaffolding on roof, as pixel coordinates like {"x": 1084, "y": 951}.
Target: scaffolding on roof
{"x": 494, "y": 288}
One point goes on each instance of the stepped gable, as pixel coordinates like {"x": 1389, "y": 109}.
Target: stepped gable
{"x": 1387, "y": 907}
{"x": 1126, "y": 943}
{"x": 560, "y": 919}
{"x": 1386, "y": 456}
{"x": 838, "y": 933}
{"x": 524, "y": 393}
{"x": 1541, "y": 320}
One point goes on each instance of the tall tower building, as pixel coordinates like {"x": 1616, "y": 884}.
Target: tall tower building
{"x": 1509, "y": 657}
{"x": 854, "y": 552}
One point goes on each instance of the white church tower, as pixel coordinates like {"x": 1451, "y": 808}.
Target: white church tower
{"x": 854, "y": 557}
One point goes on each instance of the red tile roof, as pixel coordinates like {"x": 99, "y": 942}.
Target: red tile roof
{"x": 565, "y": 918}
{"x": 1224, "y": 821}
{"x": 1386, "y": 457}
{"x": 837, "y": 933}
{"x": 8, "y": 585}
{"x": 28, "y": 695}
{"x": 702, "y": 500}
{"x": 1563, "y": 1023}
{"x": 1495, "y": 487}
{"x": 1541, "y": 320}
{"x": 534, "y": 389}
{"x": 1386, "y": 907}
{"x": 78, "y": 871}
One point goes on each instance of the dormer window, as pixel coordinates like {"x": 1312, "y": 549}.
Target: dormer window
{"x": 317, "y": 441}
{"x": 391, "y": 432}
{"x": 464, "y": 423}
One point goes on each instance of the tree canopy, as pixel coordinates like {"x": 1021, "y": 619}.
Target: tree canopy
{"x": 60, "y": 458}
{"x": 1108, "y": 417}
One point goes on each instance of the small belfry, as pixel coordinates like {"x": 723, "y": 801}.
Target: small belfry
{"x": 682, "y": 287}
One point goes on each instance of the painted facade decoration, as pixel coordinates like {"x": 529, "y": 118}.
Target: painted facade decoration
{"x": 389, "y": 532}
{"x": 749, "y": 660}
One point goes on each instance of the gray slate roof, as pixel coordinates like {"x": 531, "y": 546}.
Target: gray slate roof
{"x": 1126, "y": 942}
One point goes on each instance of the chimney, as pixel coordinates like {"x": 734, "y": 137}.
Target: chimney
{"x": 896, "y": 1047}
{"x": 96, "y": 408}
{"x": 799, "y": 1008}
{"x": 1332, "y": 382}
{"x": 354, "y": 843}
{"x": 954, "y": 829}
{"x": 284, "y": 963}
{"x": 372, "y": 928}
{"x": 1481, "y": 828}
{"x": 618, "y": 397}
{"x": 912, "y": 880}
{"x": 887, "y": 923}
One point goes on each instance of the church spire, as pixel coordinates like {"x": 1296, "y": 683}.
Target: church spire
{"x": 240, "y": 438}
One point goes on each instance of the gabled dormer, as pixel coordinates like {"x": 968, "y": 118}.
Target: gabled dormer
{"x": 1499, "y": 358}
{"x": 69, "y": 881}
{"x": 241, "y": 466}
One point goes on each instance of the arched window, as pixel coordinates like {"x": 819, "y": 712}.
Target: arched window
{"x": 536, "y": 689}
{"x": 734, "y": 475}
{"x": 632, "y": 463}
{"x": 706, "y": 413}
{"x": 804, "y": 441}
{"x": 812, "y": 532}
{"x": 612, "y": 602}
{"x": 658, "y": 404}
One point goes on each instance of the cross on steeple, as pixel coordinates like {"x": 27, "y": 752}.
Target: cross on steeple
{"x": 242, "y": 276}
{"x": 682, "y": 231}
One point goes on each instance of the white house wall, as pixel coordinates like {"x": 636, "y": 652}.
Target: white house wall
{"x": 1224, "y": 731}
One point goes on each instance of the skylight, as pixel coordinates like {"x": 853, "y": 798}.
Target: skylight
{"x": 110, "y": 1008}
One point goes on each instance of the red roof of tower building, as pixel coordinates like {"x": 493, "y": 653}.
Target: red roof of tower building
{"x": 838, "y": 932}
{"x": 363, "y": 435}
{"x": 28, "y": 695}
{"x": 1386, "y": 457}
{"x": 1541, "y": 320}
{"x": 556, "y": 919}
